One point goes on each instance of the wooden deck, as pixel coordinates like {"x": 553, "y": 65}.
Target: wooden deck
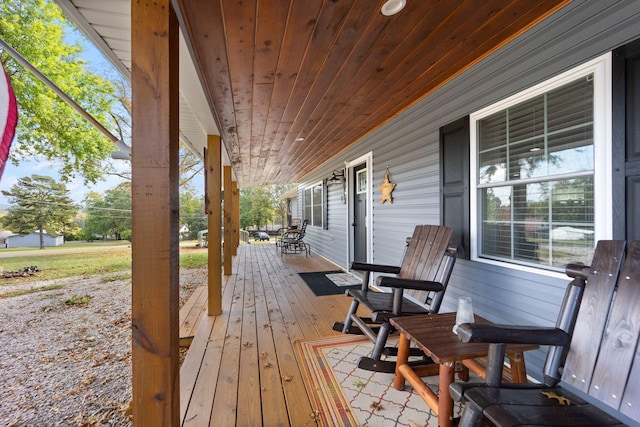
{"x": 191, "y": 314}
{"x": 241, "y": 368}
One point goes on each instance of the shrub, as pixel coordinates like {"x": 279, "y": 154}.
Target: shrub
{"x": 126, "y": 235}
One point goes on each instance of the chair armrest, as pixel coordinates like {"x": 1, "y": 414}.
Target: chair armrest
{"x": 378, "y": 268}
{"x": 509, "y": 334}
{"x": 399, "y": 282}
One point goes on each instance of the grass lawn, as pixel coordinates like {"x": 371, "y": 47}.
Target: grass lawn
{"x": 86, "y": 260}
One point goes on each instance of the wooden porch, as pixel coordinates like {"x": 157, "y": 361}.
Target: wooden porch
{"x": 241, "y": 367}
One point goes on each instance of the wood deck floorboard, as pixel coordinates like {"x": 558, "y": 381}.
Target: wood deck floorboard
{"x": 199, "y": 372}
{"x": 191, "y": 314}
{"x": 272, "y": 391}
{"x": 241, "y": 368}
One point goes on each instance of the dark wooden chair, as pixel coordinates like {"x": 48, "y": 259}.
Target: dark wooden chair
{"x": 597, "y": 360}
{"x": 282, "y": 231}
{"x": 423, "y": 274}
{"x": 292, "y": 241}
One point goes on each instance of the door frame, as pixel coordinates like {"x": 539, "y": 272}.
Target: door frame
{"x": 367, "y": 159}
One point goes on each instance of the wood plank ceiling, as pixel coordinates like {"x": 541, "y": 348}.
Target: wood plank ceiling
{"x": 331, "y": 71}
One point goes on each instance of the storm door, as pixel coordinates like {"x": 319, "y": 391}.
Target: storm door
{"x": 359, "y": 223}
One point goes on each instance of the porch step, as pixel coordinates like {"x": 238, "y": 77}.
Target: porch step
{"x": 190, "y": 315}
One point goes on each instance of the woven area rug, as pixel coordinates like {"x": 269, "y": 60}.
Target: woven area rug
{"x": 344, "y": 279}
{"x": 344, "y": 395}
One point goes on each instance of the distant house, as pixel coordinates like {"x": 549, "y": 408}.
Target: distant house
{"x": 32, "y": 240}
{"x": 570, "y": 233}
{"x": 184, "y": 231}
{"x": 3, "y": 238}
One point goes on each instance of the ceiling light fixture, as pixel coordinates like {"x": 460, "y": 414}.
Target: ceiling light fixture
{"x": 299, "y": 139}
{"x": 391, "y": 7}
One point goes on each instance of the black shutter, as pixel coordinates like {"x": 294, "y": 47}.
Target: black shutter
{"x": 325, "y": 204}
{"x": 626, "y": 142}
{"x": 454, "y": 183}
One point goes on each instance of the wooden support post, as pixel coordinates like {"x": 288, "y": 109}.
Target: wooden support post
{"x": 213, "y": 202}
{"x": 228, "y": 221}
{"x": 236, "y": 216}
{"x": 154, "y": 212}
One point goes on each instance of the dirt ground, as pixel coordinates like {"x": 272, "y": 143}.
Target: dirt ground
{"x": 65, "y": 350}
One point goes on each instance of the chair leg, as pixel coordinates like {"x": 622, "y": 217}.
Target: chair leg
{"x": 373, "y": 362}
{"x": 352, "y": 310}
{"x": 381, "y": 341}
{"x": 471, "y": 417}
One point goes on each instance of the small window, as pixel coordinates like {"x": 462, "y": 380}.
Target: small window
{"x": 313, "y": 205}
{"x": 535, "y": 168}
{"x": 361, "y": 180}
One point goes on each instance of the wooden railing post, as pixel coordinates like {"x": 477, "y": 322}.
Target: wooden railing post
{"x": 213, "y": 202}
{"x": 228, "y": 221}
{"x": 155, "y": 214}
{"x": 236, "y": 216}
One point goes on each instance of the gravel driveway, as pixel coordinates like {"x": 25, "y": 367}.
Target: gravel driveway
{"x": 65, "y": 353}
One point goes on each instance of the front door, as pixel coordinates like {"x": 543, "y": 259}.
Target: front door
{"x": 360, "y": 213}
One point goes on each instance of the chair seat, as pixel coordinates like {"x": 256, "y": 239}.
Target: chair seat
{"x": 530, "y": 407}
{"x": 291, "y": 240}
{"x": 381, "y": 304}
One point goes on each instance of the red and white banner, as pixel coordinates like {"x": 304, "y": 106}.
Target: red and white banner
{"x": 8, "y": 118}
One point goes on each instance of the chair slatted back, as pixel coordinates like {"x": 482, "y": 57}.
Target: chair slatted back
{"x": 302, "y": 230}
{"x": 424, "y": 258}
{"x": 603, "y": 358}
{"x": 296, "y": 235}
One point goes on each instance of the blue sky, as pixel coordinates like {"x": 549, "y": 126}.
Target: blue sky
{"x": 97, "y": 63}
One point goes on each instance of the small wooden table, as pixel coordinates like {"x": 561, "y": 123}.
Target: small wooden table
{"x": 433, "y": 334}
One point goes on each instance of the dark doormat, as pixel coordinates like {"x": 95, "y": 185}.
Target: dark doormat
{"x": 321, "y": 285}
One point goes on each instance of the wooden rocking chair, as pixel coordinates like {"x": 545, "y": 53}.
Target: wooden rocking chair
{"x": 424, "y": 273}
{"x": 592, "y": 351}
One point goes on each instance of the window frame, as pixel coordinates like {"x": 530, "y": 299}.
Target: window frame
{"x": 314, "y": 203}
{"x": 600, "y": 67}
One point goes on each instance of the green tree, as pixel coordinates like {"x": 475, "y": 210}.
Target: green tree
{"x": 41, "y": 204}
{"x": 189, "y": 165}
{"x": 47, "y": 126}
{"x": 262, "y": 205}
{"x": 255, "y": 207}
{"x": 93, "y": 227}
{"x": 192, "y": 213}
{"x": 279, "y": 204}
{"x": 109, "y": 215}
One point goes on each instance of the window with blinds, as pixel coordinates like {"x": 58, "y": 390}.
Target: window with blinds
{"x": 535, "y": 178}
{"x": 313, "y": 199}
